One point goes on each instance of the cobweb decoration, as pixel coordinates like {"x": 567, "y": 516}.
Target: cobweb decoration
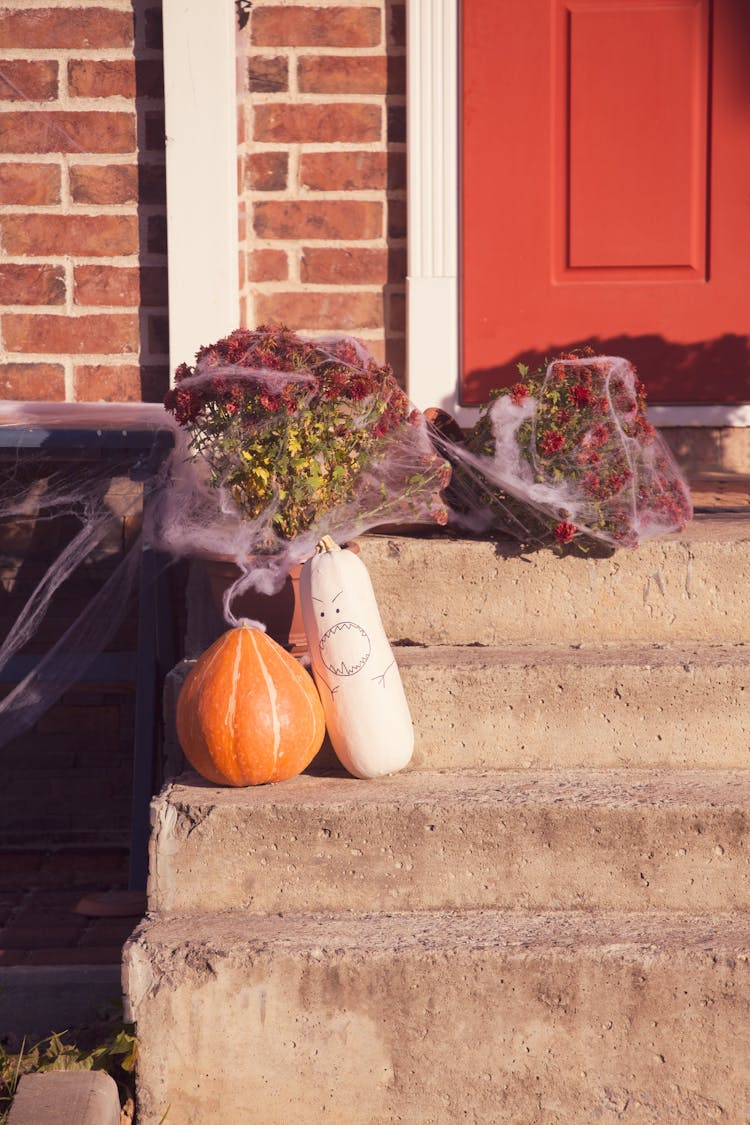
{"x": 290, "y": 439}
{"x": 568, "y": 454}
{"x": 278, "y": 440}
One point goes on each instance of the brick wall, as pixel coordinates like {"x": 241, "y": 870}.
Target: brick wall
{"x": 82, "y": 201}
{"x": 323, "y": 170}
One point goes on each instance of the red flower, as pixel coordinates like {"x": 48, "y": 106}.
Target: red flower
{"x": 552, "y": 441}
{"x": 518, "y": 393}
{"x": 562, "y": 417}
{"x": 564, "y": 532}
{"x": 581, "y": 395}
{"x": 600, "y": 435}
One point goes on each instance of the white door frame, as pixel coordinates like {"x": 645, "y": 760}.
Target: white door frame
{"x": 433, "y": 231}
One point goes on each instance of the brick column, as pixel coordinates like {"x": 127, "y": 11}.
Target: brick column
{"x": 323, "y": 182}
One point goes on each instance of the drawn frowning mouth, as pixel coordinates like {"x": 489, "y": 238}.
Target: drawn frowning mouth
{"x": 352, "y": 648}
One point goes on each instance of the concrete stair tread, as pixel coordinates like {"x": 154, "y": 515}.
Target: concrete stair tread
{"x": 643, "y": 654}
{"x": 440, "y": 588}
{"x": 536, "y": 839}
{"x": 238, "y": 934}
{"x": 441, "y": 1017}
{"x": 424, "y": 788}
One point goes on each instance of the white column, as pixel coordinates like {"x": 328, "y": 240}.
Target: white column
{"x": 201, "y": 153}
{"x": 432, "y": 180}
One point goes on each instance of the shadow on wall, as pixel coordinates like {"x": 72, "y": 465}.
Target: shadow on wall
{"x": 394, "y": 289}
{"x": 701, "y": 372}
{"x": 153, "y": 319}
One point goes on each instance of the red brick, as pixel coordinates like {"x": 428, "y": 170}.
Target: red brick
{"x": 397, "y": 218}
{"x": 344, "y": 171}
{"x": 154, "y": 382}
{"x": 266, "y": 171}
{"x": 288, "y": 26}
{"x": 106, "y": 383}
{"x": 101, "y": 78}
{"x": 107, "y": 932}
{"x": 105, "y": 184}
{"x": 153, "y": 30}
{"x": 396, "y": 26}
{"x": 395, "y": 354}
{"x": 32, "y": 285}
{"x": 106, "y": 285}
{"x": 149, "y": 78}
{"x": 154, "y": 131}
{"x": 92, "y": 955}
{"x": 67, "y": 131}
{"x": 28, "y": 81}
{"x": 396, "y": 124}
{"x": 335, "y": 311}
{"x": 352, "y": 74}
{"x": 120, "y": 285}
{"x": 152, "y": 182}
{"x": 79, "y": 235}
{"x": 337, "y": 266}
{"x": 29, "y": 183}
{"x": 267, "y": 75}
{"x": 267, "y": 265}
{"x": 106, "y": 334}
{"x": 397, "y": 312}
{"x": 13, "y": 957}
{"x": 67, "y": 27}
{"x": 37, "y": 382}
{"x": 335, "y": 218}
{"x": 157, "y": 330}
{"x": 342, "y": 122}
{"x": 156, "y": 234}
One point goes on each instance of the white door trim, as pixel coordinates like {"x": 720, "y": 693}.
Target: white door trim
{"x": 433, "y": 231}
{"x": 200, "y": 95}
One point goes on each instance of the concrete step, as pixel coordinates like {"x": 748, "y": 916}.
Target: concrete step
{"x": 551, "y": 706}
{"x": 601, "y": 705}
{"x": 441, "y": 590}
{"x": 539, "y": 840}
{"x": 439, "y": 1017}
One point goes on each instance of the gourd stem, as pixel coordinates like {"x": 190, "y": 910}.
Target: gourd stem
{"x": 326, "y": 544}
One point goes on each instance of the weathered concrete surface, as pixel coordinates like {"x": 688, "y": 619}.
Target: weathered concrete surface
{"x": 549, "y": 706}
{"x": 442, "y": 1017}
{"x": 81, "y": 1097}
{"x": 440, "y": 590}
{"x": 554, "y": 706}
{"x": 546, "y": 840}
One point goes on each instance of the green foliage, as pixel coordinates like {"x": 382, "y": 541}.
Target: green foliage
{"x": 110, "y": 1047}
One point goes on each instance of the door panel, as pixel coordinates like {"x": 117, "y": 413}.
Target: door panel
{"x": 606, "y": 190}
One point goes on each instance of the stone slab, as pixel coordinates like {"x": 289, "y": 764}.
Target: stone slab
{"x": 66, "y": 1098}
{"x": 442, "y": 590}
{"x": 565, "y": 839}
{"x": 441, "y": 1017}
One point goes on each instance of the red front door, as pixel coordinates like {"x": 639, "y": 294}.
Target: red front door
{"x": 605, "y": 185}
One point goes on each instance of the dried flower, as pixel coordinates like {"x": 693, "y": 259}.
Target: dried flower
{"x": 293, "y": 429}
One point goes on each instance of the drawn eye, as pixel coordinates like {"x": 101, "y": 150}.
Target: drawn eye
{"x": 322, "y": 613}
{"x": 338, "y": 611}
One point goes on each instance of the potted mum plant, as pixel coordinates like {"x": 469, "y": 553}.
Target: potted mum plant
{"x": 289, "y": 439}
{"x": 566, "y": 455}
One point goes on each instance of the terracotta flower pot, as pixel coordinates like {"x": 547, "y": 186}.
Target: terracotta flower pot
{"x": 281, "y": 613}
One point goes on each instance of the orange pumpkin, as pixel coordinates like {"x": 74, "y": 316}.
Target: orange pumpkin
{"x": 248, "y": 712}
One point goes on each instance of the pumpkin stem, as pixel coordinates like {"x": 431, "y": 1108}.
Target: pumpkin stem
{"x": 326, "y": 544}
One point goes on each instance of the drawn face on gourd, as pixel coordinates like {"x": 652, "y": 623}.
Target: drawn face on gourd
{"x": 344, "y": 645}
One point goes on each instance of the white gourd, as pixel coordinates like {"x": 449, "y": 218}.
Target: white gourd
{"x": 366, "y": 711}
